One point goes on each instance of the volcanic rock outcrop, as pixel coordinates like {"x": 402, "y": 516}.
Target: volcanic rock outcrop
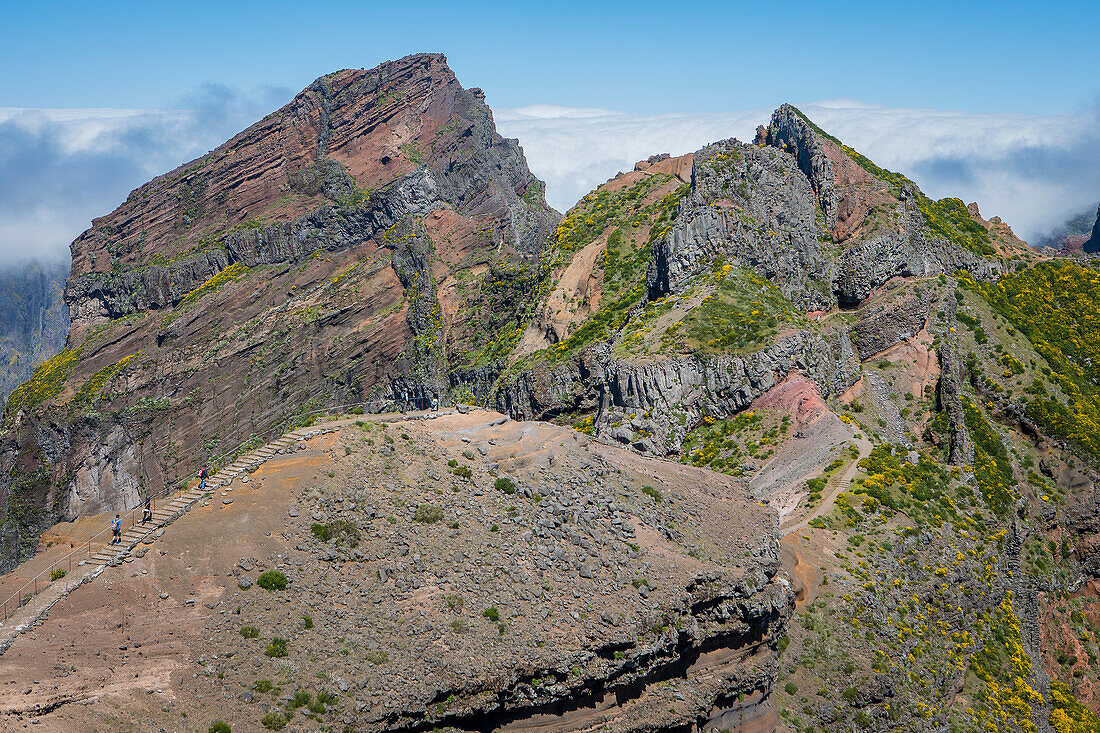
{"x": 351, "y": 246}
{"x": 798, "y": 211}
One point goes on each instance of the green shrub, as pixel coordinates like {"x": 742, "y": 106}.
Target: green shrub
{"x": 219, "y": 726}
{"x": 277, "y": 647}
{"x": 272, "y": 580}
{"x": 275, "y": 721}
{"x": 791, "y": 688}
{"x": 343, "y": 531}
{"x": 505, "y": 484}
{"x": 250, "y": 632}
{"x": 300, "y": 700}
{"x": 491, "y": 613}
{"x": 428, "y": 514}
{"x": 263, "y": 686}
{"x": 652, "y": 493}
{"x": 318, "y": 705}
{"x": 376, "y": 656}
{"x": 464, "y": 472}
{"x": 307, "y": 622}
{"x": 57, "y": 574}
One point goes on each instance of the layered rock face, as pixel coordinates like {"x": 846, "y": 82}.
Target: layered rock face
{"x": 357, "y": 243}
{"x": 34, "y": 320}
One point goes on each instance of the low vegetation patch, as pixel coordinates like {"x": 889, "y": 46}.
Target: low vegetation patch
{"x": 45, "y": 383}
{"x": 344, "y": 532}
{"x": 277, "y": 647}
{"x": 272, "y": 580}
{"x": 744, "y": 312}
{"x": 428, "y": 514}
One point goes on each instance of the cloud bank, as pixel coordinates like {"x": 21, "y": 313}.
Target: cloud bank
{"x": 61, "y": 168}
{"x": 1032, "y": 171}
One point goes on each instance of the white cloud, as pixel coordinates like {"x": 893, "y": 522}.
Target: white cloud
{"x": 60, "y": 168}
{"x": 577, "y": 149}
{"x": 1032, "y": 171}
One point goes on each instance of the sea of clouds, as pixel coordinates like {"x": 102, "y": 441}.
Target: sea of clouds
{"x": 61, "y": 168}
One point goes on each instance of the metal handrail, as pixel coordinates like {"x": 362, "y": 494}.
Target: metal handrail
{"x": 169, "y": 489}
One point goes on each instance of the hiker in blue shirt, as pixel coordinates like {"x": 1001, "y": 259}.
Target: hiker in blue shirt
{"x": 118, "y": 531}
{"x": 202, "y": 479}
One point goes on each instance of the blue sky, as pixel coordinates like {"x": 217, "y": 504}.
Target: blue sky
{"x": 994, "y": 102}
{"x": 651, "y": 57}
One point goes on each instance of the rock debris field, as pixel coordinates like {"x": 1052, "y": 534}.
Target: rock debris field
{"x": 465, "y": 571}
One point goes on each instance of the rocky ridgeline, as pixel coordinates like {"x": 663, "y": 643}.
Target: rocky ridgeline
{"x": 376, "y": 238}
{"x": 352, "y": 246}
{"x": 771, "y": 208}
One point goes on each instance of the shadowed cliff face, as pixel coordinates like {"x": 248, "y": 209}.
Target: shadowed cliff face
{"x": 33, "y": 320}
{"x": 375, "y": 231}
{"x": 1092, "y": 244}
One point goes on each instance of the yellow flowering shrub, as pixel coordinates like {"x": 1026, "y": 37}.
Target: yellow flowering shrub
{"x": 45, "y": 383}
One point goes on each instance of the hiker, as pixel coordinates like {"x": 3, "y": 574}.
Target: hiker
{"x": 147, "y": 513}
{"x": 404, "y": 402}
{"x": 202, "y": 478}
{"x": 435, "y": 403}
{"x": 118, "y": 530}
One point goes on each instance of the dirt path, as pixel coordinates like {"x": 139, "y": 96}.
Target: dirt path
{"x": 829, "y": 501}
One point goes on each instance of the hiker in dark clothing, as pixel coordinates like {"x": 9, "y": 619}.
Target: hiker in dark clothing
{"x": 202, "y": 479}
{"x": 147, "y": 513}
{"x": 118, "y": 530}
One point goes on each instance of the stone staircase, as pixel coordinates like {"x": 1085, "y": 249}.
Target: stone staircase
{"x": 167, "y": 513}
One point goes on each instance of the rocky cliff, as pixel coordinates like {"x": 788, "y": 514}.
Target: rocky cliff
{"x": 34, "y": 320}
{"x": 1092, "y": 244}
{"x": 354, "y": 245}
{"x": 742, "y": 263}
